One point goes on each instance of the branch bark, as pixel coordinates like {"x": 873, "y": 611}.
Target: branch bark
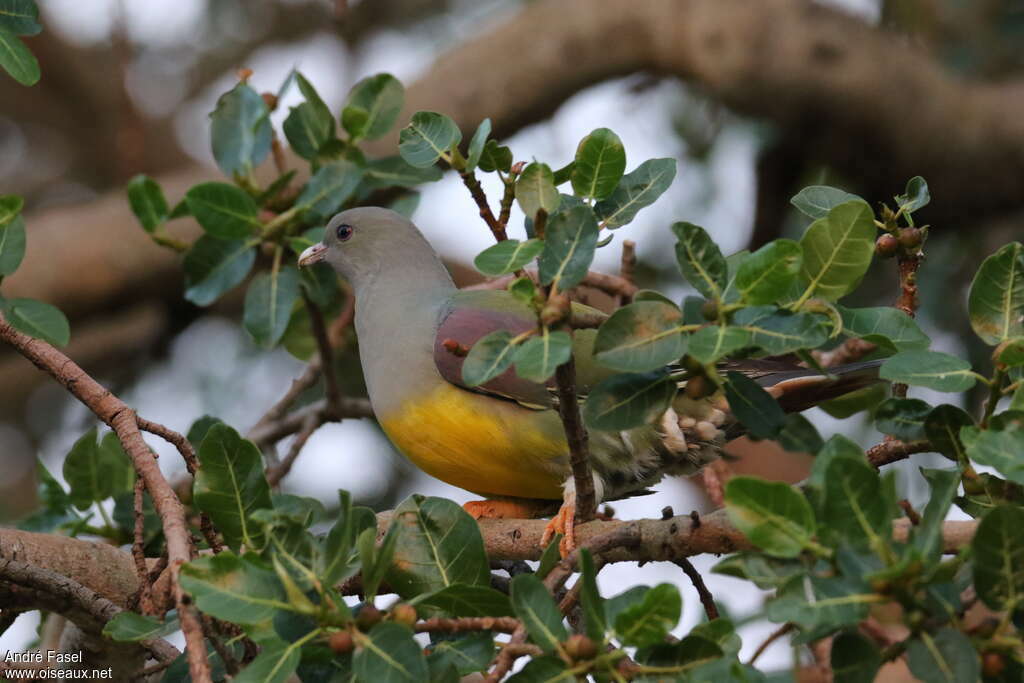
{"x": 122, "y": 419}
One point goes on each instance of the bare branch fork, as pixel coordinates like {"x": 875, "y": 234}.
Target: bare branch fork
{"x": 122, "y": 419}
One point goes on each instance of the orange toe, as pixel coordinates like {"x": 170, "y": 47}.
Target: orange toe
{"x": 562, "y": 523}
{"x": 501, "y": 509}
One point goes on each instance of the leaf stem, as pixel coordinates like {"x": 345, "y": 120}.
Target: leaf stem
{"x": 995, "y": 393}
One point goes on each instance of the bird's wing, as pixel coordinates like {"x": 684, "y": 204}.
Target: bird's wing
{"x": 473, "y": 314}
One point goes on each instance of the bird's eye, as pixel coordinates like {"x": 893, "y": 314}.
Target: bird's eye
{"x": 344, "y": 231}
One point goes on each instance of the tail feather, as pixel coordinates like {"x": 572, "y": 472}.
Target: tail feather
{"x": 802, "y": 389}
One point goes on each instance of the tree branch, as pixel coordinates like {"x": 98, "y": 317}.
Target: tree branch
{"x": 115, "y": 413}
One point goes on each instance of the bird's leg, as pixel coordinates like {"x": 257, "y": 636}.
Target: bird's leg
{"x": 564, "y": 522}
{"x": 506, "y": 508}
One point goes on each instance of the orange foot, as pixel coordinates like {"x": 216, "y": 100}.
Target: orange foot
{"x": 502, "y": 509}
{"x": 562, "y": 523}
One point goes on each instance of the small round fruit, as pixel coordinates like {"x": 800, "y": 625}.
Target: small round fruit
{"x": 580, "y": 647}
{"x": 341, "y": 642}
{"x": 404, "y": 613}
{"x": 911, "y": 238}
{"x": 886, "y": 246}
{"x": 368, "y": 617}
{"x": 709, "y": 310}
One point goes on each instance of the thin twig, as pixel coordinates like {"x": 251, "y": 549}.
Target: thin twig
{"x": 277, "y": 473}
{"x": 612, "y": 285}
{"x": 911, "y": 513}
{"x": 891, "y": 451}
{"x": 144, "y": 601}
{"x": 706, "y": 599}
{"x": 778, "y": 633}
{"x": 627, "y": 269}
{"x": 176, "y": 439}
{"x": 907, "y": 265}
{"x": 507, "y": 199}
{"x": 462, "y": 624}
{"x": 576, "y": 436}
{"x": 316, "y": 318}
{"x": 477, "y": 192}
{"x": 122, "y": 419}
{"x": 507, "y": 656}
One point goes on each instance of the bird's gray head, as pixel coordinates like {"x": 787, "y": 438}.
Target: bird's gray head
{"x": 359, "y": 243}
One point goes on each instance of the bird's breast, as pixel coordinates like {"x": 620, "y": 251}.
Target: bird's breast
{"x": 481, "y": 444}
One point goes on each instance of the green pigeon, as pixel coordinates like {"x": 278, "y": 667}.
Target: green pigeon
{"x": 504, "y": 440}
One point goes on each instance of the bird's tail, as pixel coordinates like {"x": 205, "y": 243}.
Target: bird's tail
{"x": 798, "y": 390}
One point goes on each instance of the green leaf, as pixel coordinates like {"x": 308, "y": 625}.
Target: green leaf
{"x": 765, "y": 571}
{"x": 642, "y": 336}
{"x": 546, "y": 669}
{"x": 854, "y": 508}
{"x": 1000, "y": 449}
{"x": 375, "y": 561}
{"x": 754, "y": 407}
{"x": 837, "y": 250}
{"x": 495, "y": 157}
{"x": 17, "y": 59}
{"x": 915, "y": 197}
{"x": 832, "y": 604}
{"x": 507, "y": 256}
{"x": 902, "y": 418}
{"x": 942, "y": 428}
{"x": 427, "y": 137}
{"x": 390, "y": 654}
{"x": 774, "y": 516}
{"x": 268, "y": 304}
{"x": 599, "y": 165}
{"x": 275, "y": 663}
{"x": 307, "y": 128}
{"x": 996, "y": 299}
{"x": 464, "y": 600}
{"x": 710, "y": 343}
{"x": 537, "y": 357}
{"x": 629, "y": 400}
{"x": 337, "y": 561}
{"x": 372, "y": 107}
{"x": 768, "y": 274}
{"x": 780, "y": 332}
{"x": 96, "y": 470}
{"x": 213, "y": 266}
{"x": 854, "y": 659}
{"x": 639, "y": 188}
{"x": 590, "y": 599}
{"x": 569, "y": 244}
{"x": 230, "y": 486}
{"x": 998, "y": 548}
{"x": 535, "y": 190}
{"x": 648, "y": 622}
{"x": 10, "y": 206}
{"x": 799, "y": 435}
{"x": 242, "y": 590}
{"x": 927, "y": 536}
{"x": 224, "y": 211}
{"x": 37, "y": 319}
{"x": 817, "y": 200}
{"x": 395, "y": 172}
{"x": 1011, "y": 353}
{"x": 932, "y": 369}
{"x": 490, "y": 356}
{"x": 147, "y": 202}
{"x": 536, "y": 608}
{"x": 476, "y": 145}
{"x": 948, "y": 657}
{"x": 329, "y": 188}
{"x": 466, "y": 655}
{"x": 700, "y": 260}
{"x": 129, "y": 627}
{"x": 240, "y": 130}
{"x": 20, "y": 17}
{"x": 890, "y": 328}
{"x": 438, "y": 544}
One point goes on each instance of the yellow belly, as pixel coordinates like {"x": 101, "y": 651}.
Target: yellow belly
{"x": 484, "y": 445}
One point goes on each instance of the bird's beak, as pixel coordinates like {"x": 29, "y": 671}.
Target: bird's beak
{"x": 313, "y": 254}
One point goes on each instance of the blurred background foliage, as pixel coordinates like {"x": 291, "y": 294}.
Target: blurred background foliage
{"x": 127, "y": 88}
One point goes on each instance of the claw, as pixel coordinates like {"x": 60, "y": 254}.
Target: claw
{"x": 562, "y": 523}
